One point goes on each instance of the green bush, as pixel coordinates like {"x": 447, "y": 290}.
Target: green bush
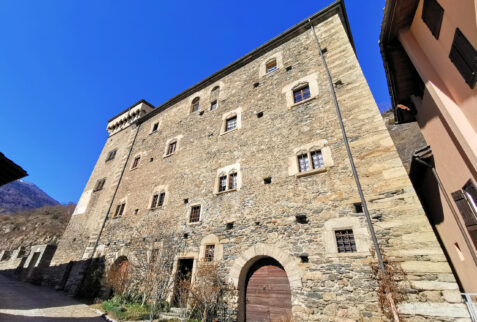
{"x": 122, "y": 309}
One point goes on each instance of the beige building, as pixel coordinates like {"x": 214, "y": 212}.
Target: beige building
{"x": 251, "y": 170}
{"x": 430, "y": 57}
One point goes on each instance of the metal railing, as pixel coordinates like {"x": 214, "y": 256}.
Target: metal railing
{"x": 470, "y": 305}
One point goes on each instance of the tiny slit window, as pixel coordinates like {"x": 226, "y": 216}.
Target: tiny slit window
{"x": 231, "y": 123}
{"x": 432, "y": 14}
{"x": 345, "y": 241}
{"x": 271, "y": 66}
{"x": 154, "y": 200}
{"x": 111, "y": 155}
{"x": 464, "y": 57}
{"x": 155, "y": 127}
{"x": 209, "y": 253}
{"x": 194, "y": 214}
{"x": 136, "y": 162}
{"x": 301, "y": 93}
{"x": 195, "y": 105}
{"x": 171, "y": 148}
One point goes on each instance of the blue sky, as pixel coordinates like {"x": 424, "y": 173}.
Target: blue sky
{"x": 66, "y": 67}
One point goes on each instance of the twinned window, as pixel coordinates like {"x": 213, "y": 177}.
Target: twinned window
{"x": 99, "y": 184}
{"x": 194, "y": 214}
{"x": 172, "y": 147}
{"x": 231, "y": 123}
{"x": 316, "y": 161}
{"x": 271, "y": 66}
{"x": 301, "y": 93}
{"x": 111, "y": 155}
{"x": 209, "y": 253}
{"x": 228, "y": 182}
{"x": 119, "y": 210}
{"x": 195, "y": 105}
{"x": 345, "y": 241}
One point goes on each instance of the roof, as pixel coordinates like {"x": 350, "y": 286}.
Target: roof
{"x": 131, "y": 107}
{"x": 9, "y": 171}
{"x": 401, "y": 75}
{"x": 337, "y": 7}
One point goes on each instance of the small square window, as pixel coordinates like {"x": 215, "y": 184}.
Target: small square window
{"x": 154, "y": 201}
{"x": 209, "y": 253}
{"x": 233, "y": 181}
{"x": 303, "y": 162}
{"x": 155, "y": 127}
{"x": 345, "y": 241}
{"x": 301, "y": 94}
{"x": 111, "y": 155}
{"x": 162, "y": 197}
{"x": 119, "y": 210}
{"x": 222, "y": 183}
{"x": 194, "y": 214}
{"x": 358, "y": 207}
{"x": 231, "y": 124}
{"x": 317, "y": 159}
{"x": 136, "y": 162}
{"x": 213, "y": 105}
{"x": 172, "y": 148}
{"x": 271, "y": 66}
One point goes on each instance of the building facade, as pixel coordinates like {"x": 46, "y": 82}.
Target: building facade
{"x": 429, "y": 51}
{"x": 250, "y": 168}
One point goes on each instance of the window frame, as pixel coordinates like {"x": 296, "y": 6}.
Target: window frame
{"x": 271, "y": 65}
{"x": 234, "y": 120}
{"x": 174, "y": 144}
{"x": 232, "y": 180}
{"x": 195, "y": 105}
{"x": 119, "y": 212}
{"x": 162, "y": 199}
{"x": 214, "y": 105}
{"x": 346, "y": 235}
{"x": 192, "y": 213}
{"x": 99, "y": 184}
{"x": 303, "y": 95}
{"x": 136, "y": 161}
{"x": 222, "y": 187}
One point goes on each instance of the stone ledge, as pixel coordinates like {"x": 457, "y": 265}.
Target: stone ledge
{"x": 434, "y": 309}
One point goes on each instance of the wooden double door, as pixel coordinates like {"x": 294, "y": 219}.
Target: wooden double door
{"x": 267, "y": 293}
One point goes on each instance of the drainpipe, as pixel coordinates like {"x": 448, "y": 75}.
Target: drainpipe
{"x": 355, "y": 174}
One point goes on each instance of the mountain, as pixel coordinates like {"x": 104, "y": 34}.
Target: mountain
{"x": 21, "y": 195}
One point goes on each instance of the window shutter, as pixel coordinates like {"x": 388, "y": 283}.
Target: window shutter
{"x": 464, "y": 208}
{"x": 432, "y": 14}
{"x": 471, "y": 189}
{"x": 464, "y": 57}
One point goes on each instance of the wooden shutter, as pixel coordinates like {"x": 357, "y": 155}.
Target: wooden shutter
{"x": 464, "y": 56}
{"x": 465, "y": 209}
{"x": 432, "y": 14}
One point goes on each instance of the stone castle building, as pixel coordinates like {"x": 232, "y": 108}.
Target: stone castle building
{"x": 251, "y": 167}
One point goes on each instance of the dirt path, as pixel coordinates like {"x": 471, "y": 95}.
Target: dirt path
{"x": 26, "y": 302}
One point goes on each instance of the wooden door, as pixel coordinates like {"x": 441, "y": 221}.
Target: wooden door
{"x": 268, "y": 295}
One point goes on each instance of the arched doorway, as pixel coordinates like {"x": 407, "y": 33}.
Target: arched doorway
{"x": 267, "y": 292}
{"x": 118, "y": 274}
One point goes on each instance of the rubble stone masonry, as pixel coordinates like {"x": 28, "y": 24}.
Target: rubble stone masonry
{"x": 271, "y": 133}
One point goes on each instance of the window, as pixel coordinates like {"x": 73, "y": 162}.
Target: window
{"x": 119, "y": 210}
{"x": 213, "y": 105}
{"x": 195, "y": 105}
{"x": 464, "y": 56}
{"x": 345, "y": 241}
{"x": 136, "y": 162}
{"x": 194, "y": 214}
{"x": 154, "y": 201}
{"x": 233, "y": 181}
{"x": 172, "y": 147}
{"x": 432, "y": 14}
{"x": 222, "y": 183}
{"x": 209, "y": 253}
{"x": 111, "y": 155}
{"x": 155, "y": 127}
{"x": 162, "y": 197}
{"x": 466, "y": 201}
{"x": 303, "y": 163}
{"x": 231, "y": 123}
{"x": 271, "y": 66}
{"x": 317, "y": 159}
{"x": 301, "y": 93}
{"x": 99, "y": 184}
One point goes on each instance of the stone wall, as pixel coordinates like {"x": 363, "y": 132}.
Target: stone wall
{"x": 330, "y": 285}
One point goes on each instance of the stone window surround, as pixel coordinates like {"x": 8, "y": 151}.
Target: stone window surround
{"x": 139, "y": 162}
{"x": 157, "y": 190}
{"x": 360, "y": 232}
{"x": 311, "y": 80}
{"x": 171, "y": 140}
{"x": 226, "y": 171}
{"x": 211, "y": 240}
{"x": 294, "y": 167}
{"x": 189, "y": 206}
{"x": 120, "y": 202}
{"x": 238, "y": 113}
{"x": 278, "y": 56}
{"x": 185, "y": 255}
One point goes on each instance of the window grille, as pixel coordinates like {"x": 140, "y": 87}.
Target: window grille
{"x": 154, "y": 201}
{"x": 464, "y": 57}
{"x": 233, "y": 181}
{"x": 194, "y": 214}
{"x": 209, "y": 253}
{"x": 317, "y": 159}
{"x": 303, "y": 163}
{"x": 231, "y": 123}
{"x": 345, "y": 241}
{"x": 222, "y": 183}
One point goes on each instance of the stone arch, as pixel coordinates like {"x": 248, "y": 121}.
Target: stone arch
{"x": 118, "y": 274}
{"x": 243, "y": 263}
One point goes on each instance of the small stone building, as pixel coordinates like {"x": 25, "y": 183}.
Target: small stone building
{"x": 250, "y": 168}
